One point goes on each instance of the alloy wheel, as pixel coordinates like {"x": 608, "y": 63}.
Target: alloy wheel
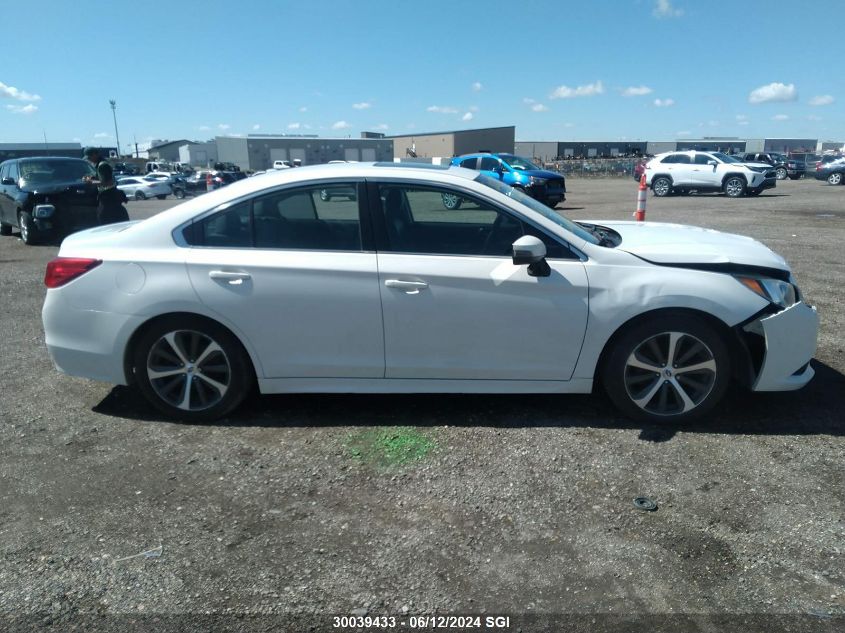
{"x": 189, "y": 370}
{"x": 670, "y": 373}
{"x": 734, "y": 187}
{"x": 835, "y": 178}
{"x": 661, "y": 187}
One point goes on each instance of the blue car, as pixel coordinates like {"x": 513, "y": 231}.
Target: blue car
{"x": 548, "y": 187}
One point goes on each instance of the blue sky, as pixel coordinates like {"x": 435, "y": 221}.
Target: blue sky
{"x": 557, "y": 70}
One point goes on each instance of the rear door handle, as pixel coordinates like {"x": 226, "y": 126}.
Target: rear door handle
{"x": 410, "y": 287}
{"x": 232, "y": 278}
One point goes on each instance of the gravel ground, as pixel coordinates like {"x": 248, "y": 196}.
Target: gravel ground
{"x": 298, "y": 507}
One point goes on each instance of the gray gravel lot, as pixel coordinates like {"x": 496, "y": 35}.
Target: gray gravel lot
{"x": 516, "y": 505}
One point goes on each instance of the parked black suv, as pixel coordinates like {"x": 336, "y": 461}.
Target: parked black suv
{"x": 46, "y": 196}
{"x": 783, "y": 164}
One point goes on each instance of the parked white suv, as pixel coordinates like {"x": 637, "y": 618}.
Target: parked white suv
{"x": 680, "y": 172}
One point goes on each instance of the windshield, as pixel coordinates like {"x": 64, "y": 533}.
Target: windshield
{"x": 517, "y": 162}
{"x": 45, "y": 172}
{"x": 725, "y": 158}
{"x": 539, "y": 207}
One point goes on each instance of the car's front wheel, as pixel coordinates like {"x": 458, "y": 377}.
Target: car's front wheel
{"x": 735, "y": 187}
{"x": 191, "y": 369}
{"x": 139, "y": 195}
{"x": 179, "y": 194}
{"x": 835, "y": 178}
{"x": 671, "y": 368}
{"x": 661, "y": 186}
{"x": 451, "y": 201}
{"x": 781, "y": 174}
{"x": 27, "y": 227}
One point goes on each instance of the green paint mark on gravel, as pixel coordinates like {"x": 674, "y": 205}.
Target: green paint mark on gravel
{"x": 389, "y": 446}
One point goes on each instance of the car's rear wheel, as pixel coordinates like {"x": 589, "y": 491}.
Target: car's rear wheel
{"x": 451, "y": 201}
{"x": 5, "y": 229}
{"x": 179, "y": 194}
{"x": 192, "y": 369}
{"x": 671, "y": 368}
{"x": 835, "y": 178}
{"x": 139, "y": 195}
{"x": 734, "y": 187}
{"x": 661, "y": 186}
{"x": 27, "y": 228}
{"x": 781, "y": 174}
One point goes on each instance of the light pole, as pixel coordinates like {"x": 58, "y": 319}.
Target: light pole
{"x": 113, "y": 105}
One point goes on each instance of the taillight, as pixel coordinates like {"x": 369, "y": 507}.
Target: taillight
{"x": 61, "y": 270}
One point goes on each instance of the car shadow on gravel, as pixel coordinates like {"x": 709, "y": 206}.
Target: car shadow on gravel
{"x": 814, "y": 410}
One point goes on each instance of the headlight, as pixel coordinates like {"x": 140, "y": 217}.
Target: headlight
{"x": 781, "y": 293}
{"x": 534, "y": 180}
{"x": 44, "y": 210}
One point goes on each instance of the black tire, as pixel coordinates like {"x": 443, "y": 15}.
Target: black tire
{"x": 5, "y": 229}
{"x": 451, "y": 201}
{"x": 139, "y": 195}
{"x": 228, "y": 366}
{"x": 162, "y": 197}
{"x": 649, "y": 391}
{"x": 179, "y": 194}
{"x": 781, "y": 173}
{"x": 835, "y": 178}
{"x": 661, "y": 186}
{"x": 734, "y": 186}
{"x": 27, "y": 228}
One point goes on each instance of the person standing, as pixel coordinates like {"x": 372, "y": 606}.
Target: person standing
{"x": 110, "y": 199}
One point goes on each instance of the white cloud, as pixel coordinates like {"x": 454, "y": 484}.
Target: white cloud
{"x": 204, "y": 128}
{"x": 774, "y": 91}
{"x": 362, "y": 106}
{"x": 340, "y": 125}
{"x": 382, "y": 126}
{"x": 821, "y": 100}
{"x": 442, "y": 109}
{"x": 683, "y": 133}
{"x": 473, "y": 108}
{"x": 539, "y": 107}
{"x": 741, "y": 117}
{"x": 76, "y": 139}
{"x": 664, "y": 103}
{"x": 303, "y": 109}
{"x": 256, "y": 127}
{"x": 636, "y": 91}
{"x": 565, "y": 92}
{"x": 467, "y": 117}
{"x": 528, "y": 101}
{"x": 813, "y": 117}
{"x": 476, "y": 86}
{"x": 27, "y": 109}
{"x": 294, "y": 126}
{"x": 102, "y": 135}
{"x": 10, "y": 92}
{"x": 742, "y": 122}
{"x": 780, "y": 117}
{"x": 568, "y": 125}
{"x": 224, "y": 126}
{"x": 664, "y": 9}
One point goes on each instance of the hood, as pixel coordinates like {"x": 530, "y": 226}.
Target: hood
{"x": 45, "y": 189}
{"x": 757, "y": 165}
{"x": 539, "y": 173}
{"x": 663, "y": 243}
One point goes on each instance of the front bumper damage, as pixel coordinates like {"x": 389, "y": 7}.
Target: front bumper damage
{"x": 781, "y": 346}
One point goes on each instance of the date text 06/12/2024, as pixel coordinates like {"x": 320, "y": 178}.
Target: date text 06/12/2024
{"x": 500, "y": 622}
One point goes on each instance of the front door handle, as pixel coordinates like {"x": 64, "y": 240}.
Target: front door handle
{"x": 410, "y": 287}
{"x": 232, "y": 278}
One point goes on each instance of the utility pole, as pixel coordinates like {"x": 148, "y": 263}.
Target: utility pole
{"x": 135, "y": 138}
{"x": 46, "y": 147}
{"x": 113, "y": 105}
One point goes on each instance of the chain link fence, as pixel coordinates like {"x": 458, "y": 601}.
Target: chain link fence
{"x": 594, "y": 167}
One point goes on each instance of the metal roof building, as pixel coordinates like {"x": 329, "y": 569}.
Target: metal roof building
{"x": 454, "y": 143}
{"x": 258, "y": 152}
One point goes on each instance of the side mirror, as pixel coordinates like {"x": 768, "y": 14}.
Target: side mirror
{"x": 712, "y": 163}
{"x": 531, "y": 250}
{"x": 8, "y": 181}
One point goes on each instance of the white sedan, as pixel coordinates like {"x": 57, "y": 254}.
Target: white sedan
{"x": 143, "y": 187}
{"x": 266, "y": 282}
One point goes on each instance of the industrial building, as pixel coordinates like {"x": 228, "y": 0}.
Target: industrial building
{"x": 455, "y": 143}
{"x": 258, "y": 152}
{"x": 545, "y": 151}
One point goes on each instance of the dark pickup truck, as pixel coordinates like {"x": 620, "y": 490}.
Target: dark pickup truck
{"x": 46, "y": 197}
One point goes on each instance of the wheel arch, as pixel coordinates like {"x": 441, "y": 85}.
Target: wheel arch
{"x": 731, "y": 175}
{"x": 129, "y": 350}
{"x": 741, "y": 361}
{"x": 662, "y": 175}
